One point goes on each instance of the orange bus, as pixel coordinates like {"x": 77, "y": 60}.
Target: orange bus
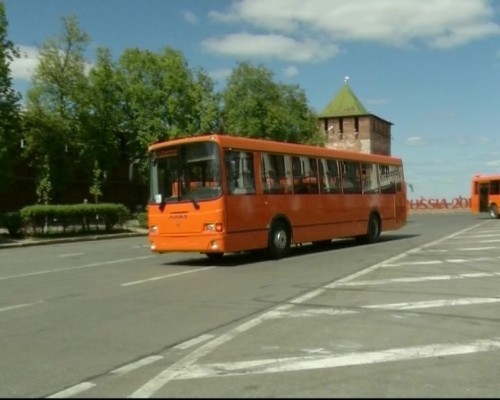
{"x": 216, "y": 194}
{"x": 485, "y": 194}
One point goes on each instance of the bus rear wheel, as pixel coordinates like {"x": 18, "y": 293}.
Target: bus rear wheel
{"x": 279, "y": 240}
{"x": 493, "y": 211}
{"x": 372, "y": 231}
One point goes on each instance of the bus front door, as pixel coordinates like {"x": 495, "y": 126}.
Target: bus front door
{"x": 483, "y": 197}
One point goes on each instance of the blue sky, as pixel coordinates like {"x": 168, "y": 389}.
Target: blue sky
{"x": 431, "y": 67}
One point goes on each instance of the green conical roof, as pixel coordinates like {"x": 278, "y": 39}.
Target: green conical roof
{"x": 344, "y": 104}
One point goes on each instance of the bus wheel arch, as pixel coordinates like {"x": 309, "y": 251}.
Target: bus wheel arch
{"x": 280, "y": 237}
{"x": 493, "y": 210}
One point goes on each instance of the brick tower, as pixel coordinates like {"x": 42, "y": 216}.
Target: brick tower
{"x": 349, "y": 126}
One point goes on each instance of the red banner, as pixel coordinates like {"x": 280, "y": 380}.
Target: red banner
{"x": 423, "y": 203}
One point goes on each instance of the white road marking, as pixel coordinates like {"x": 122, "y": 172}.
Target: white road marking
{"x": 167, "y": 375}
{"x": 420, "y": 279}
{"x": 155, "y": 278}
{"x": 187, "y": 362}
{"x": 193, "y": 342}
{"x": 309, "y": 313}
{"x": 434, "y": 303}
{"x": 72, "y": 391}
{"x": 15, "y": 307}
{"x": 481, "y": 235}
{"x": 436, "y": 262}
{"x": 394, "y": 306}
{"x": 457, "y": 250}
{"x": 292, "y": 364}
{"x": 51, "y": 271}
{"x": 478, "y": 248}
{"x": 70, "y": 255}
{"x": 135, "y": 365}
{"x": 428, "y": 262}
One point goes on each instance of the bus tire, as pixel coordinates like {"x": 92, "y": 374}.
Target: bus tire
{"x": 493, "y": 211}
{"x": 372, "y": 231}
{"x": 279, "y": 240}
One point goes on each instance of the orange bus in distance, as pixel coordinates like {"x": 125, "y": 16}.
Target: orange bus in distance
{"x": 217, "y": 194}
{"x": 485, "y": 194}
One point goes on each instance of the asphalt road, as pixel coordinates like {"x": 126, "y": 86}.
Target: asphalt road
{"x": 416, "y": 315}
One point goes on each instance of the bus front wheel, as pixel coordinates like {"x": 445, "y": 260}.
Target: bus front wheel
{"x": 493, "y": 211}
{"x": 279, "y": 240}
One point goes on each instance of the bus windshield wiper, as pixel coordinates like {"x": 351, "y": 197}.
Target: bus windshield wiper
{"x": 193, "y": 200}
{"x": 162, "y": 204}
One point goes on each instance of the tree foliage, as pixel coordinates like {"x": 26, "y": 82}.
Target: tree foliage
{"x": 9, "y": 107}
{"x": 84, "y": 120}
{"x": 162, "y": 99}
{"x": 56, "y": 105}
{"x": 256, "y": 106}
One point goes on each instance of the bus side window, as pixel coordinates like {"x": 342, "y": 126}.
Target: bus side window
{"x": 389, "y": 177}
{"x": 351, "y": 179}
{"x": 273, "y": 177}
{"x": 370, "y": 178}
{"x": 240, "y": 172}
{"x": 495, "y": 187}
{"x": 305, "y": 180}
{"x": 329, "y": 176}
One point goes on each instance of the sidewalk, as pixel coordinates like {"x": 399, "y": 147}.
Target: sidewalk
{"x": 9, "y": 242}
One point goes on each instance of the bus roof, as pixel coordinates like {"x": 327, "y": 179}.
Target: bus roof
{"x": 486, "y": 177}
{"x": 265, "y": 145}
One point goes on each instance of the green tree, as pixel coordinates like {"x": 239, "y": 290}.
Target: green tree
{"x": 255, "y": 106}
{"x": 10, "y": 133}
{"x": 95, "y": 188}
{"x": 57, "y": 103}
{"x": 163, "y": 99}
{"x": 102, "y": 124}
{"x": 44, "y": 185}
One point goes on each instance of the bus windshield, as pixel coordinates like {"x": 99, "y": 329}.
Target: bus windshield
{"x": 189, "y": 172}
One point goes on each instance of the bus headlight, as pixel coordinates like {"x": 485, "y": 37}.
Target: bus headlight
{"x": 153, "y": 229}
{"x": 213, "y": 227}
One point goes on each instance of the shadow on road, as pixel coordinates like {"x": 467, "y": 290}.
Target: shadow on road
{"x": 248, "y": 258}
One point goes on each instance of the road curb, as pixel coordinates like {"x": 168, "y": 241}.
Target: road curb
{"x": 42, "y": 241}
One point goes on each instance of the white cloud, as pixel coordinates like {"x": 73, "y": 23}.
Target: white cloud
{"x": 415, "y": 141}
{"x": 190, "y": 17}
{"x": 270, "y": 46}
{"x": 291, "y": 71}
{"x": 300, "y": 24}
{"x": 23, "y": 68}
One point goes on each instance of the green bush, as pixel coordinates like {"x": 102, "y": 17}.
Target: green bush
{"x": 142, "y": 218}
{"x": 39, "y": 218}
{"x": 12, "y": 221}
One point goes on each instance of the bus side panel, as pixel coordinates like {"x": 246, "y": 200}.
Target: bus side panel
{"x": 246, "y": 222}
{"x": 313, "y": 217}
